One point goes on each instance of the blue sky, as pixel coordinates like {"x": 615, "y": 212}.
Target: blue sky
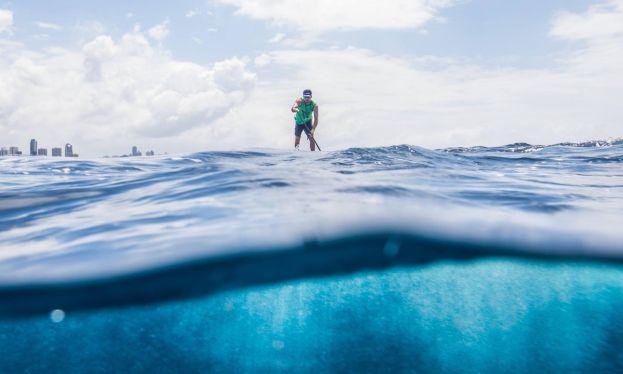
{"x": 199, "y": 75}
{"x": 487, "y": 30}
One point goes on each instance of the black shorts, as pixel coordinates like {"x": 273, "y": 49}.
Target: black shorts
{"x": 298, "y": 129}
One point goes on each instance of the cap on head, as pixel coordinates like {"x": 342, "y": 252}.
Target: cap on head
{"x": 307, "y": 93}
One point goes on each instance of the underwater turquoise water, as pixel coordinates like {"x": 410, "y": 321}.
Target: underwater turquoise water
{"x": 395, "y": 259}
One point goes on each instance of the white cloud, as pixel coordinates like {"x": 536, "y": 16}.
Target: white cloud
{"x": 48, "y": 26}
{"x": 113, "y": 93}
{"x": 160, "y": 31}
{"x": 299, "y": 41}
{"x": 600, "y": 21}
{"x": 6, "y": 20}
{"x": 601, "y": 30}
{"x": 367, "y": 99}
{"x": 262, "y": 60}
{"x": 327, "y": 15}
{"x": 198, "y": 11}
{"x": 277, "y": 38}
{"x": 89, "y": 29}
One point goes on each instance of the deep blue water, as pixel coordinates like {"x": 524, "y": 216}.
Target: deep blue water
{"x": 395, "y": 259}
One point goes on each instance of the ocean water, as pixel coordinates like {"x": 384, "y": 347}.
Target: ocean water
{"x": 393, "y": 259}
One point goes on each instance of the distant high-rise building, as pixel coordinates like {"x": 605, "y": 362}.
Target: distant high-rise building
{"x": 42, "y": 151}
{"x": 69, "y": 150}
{"x": 57, "y": 152}
{"x": 149, "y": 153}
{"x": 33, "y": 147}
{"x": 14, "y": 151}
{"x": 4, "y": 151}
{"x": 136, "y": 152}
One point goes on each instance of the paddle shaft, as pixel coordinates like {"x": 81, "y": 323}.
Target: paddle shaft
{"x": 311, "y": 138}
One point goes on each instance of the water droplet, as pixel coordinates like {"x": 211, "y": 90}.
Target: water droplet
{"x": 278, "y": 345}
{"x": 228, "y": 306}
{"x": 392, "y": 247}
{"x": 57, "y": 315}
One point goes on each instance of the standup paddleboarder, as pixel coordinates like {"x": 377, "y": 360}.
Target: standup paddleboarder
{"x": 304, "y": 107}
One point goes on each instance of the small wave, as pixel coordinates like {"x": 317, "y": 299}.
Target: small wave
{"x": 119, "y": 205}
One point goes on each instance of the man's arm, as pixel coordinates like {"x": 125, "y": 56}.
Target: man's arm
{"x": 315, "y": 118}
{"x": 295, "y": 106}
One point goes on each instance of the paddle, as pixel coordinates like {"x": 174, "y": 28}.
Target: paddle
{"x": 312, "y": 137}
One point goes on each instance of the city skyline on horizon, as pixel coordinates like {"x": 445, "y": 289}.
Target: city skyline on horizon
{"x": 36, "y": 151}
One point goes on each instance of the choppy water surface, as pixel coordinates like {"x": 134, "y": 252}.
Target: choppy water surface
{"x": 398, "y": 258}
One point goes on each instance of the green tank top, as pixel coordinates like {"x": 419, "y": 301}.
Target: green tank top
{"x": 304, "y": 114}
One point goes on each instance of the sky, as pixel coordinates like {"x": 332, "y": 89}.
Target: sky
{"x": 201, "y": 75}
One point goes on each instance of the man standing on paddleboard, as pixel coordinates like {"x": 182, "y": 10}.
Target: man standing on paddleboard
{"x": 304, "y": 107}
